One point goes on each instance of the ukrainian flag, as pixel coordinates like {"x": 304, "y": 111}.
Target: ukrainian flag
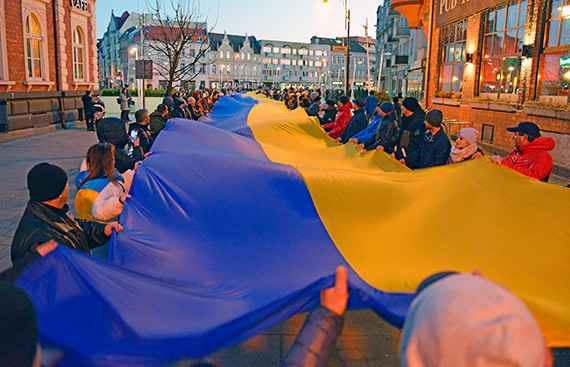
{"x": 236, "y": 225}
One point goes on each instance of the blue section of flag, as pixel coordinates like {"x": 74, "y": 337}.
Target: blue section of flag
{"x": 219, "y": 245}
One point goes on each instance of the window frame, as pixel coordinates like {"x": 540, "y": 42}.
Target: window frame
{"x": 457, "y": 63}
{"x": 3, "y": 49}
{"x": 79, "y": 48}
{"x": 30, "y": 37}
{"x": 505, "y": 59}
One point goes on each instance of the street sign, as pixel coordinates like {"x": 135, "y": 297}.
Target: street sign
{"x": 143, "y": 69}
{"x": 339, "y": 48}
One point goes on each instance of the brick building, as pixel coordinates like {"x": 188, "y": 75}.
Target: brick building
{"x": 495, "y": 63}
{"x": 48, "y": 58}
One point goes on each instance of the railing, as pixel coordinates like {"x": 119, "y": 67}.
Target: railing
{"x": 401, "y": 60}
{"x": 401, "y": 32}
{"x": 448, "y": 124}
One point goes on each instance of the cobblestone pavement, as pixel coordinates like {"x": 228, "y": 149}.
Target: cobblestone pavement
{"x": 65, "y": 148}
{"x": 365, "y": 341}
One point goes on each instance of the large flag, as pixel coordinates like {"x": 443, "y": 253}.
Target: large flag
{"x": 235, "y": 225}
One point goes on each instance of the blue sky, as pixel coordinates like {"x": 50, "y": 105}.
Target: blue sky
{"x": 292, "y": 20}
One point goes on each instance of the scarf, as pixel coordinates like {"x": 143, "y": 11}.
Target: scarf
{"x": 458, "y": 155}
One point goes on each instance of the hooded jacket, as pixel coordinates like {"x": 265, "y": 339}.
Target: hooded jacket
{"x": 342, "y": 119}
{"x": 157, "y": 122}
{"x": 533, "y": 159}
{"x": 370, "y": 105}
{"x": 385, "y": 134}
{"x": 112, "y": 130}
{"x": 329, "y": 116}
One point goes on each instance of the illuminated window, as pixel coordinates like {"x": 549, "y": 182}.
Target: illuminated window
{"x": 502, "y": 48}
{"x": 34, "y": 44}
{"x": 452, "y": 57}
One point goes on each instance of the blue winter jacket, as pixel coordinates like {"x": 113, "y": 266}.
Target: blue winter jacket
{"x": 370, "y": 105}
{"x": 369, "y": 132}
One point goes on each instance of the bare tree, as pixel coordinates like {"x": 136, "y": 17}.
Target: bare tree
{"x": 178, "y": 38}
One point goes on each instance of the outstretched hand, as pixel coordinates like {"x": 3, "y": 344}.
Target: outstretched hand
{"x": 336, "y": 297}
{"x": 109, "y": 228}
{"x": 46, "y": 248}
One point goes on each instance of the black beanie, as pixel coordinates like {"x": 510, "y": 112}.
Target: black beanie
{"x": 343, "y": 100}
{"x": 18, "y": 327}
{"x": 46, "y": 182}
{"x": 386, "y": 107}
{"x": 434, "y": 118}
{"x": 411, "y": 104}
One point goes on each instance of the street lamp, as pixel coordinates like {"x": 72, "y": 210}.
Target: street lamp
{"x": 347, "y": 43}
{"x": 381, "y": 66}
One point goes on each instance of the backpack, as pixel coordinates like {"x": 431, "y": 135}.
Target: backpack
{"x": 118, "y": 100}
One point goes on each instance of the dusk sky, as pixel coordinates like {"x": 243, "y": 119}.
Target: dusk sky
{"x": 292, "y": 20}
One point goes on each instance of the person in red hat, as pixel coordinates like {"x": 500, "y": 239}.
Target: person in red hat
{"x": 530, "y": 157}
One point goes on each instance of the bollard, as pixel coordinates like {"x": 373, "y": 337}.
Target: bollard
{"x": 3, "y": 116}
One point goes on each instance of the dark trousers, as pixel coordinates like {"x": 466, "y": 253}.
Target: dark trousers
{"x": 90, "y": 121}
{"x": 125, "y": 115}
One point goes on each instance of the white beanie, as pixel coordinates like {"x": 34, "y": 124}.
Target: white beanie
{"x": 470, "y": 134}
{"x": 469, "y": 321}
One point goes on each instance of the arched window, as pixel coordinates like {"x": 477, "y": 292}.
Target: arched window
{"x": 78, "y": 54}
{"x": 34, "y": 44}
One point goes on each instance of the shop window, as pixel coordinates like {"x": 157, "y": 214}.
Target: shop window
{"x": 78, "y": 54}
{"x": 452, "y": 57}
{"x": 502, "y": 47}
{"x": 554, "y": 75}
{"x": 34, "y": 47}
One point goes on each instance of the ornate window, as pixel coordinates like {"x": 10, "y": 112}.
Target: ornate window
{"x": 3, "y": 54}
{"x": 452, "y": 57}
{"x": 502, "y": 49}
{"x": 34, "y": 47}
{"x": 78, "y": 54}
{"x": 554, "y": 75}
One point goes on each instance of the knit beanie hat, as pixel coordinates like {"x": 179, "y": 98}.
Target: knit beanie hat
{"x": 330, "y": 102}
{"x": 467, "y": 321}
{"x": 359, "y": 102}
{"x": 343, "y": 99}
{"x": 386, "y": 107}
{"x": 169, "y": 102}
{"x": 411, "y": 104}
{"x": 469, "y": 134}
{"x": 46, "y": 182}
{"x": 18, "y": 327}
{"x": 314, "y": 95}
{"x": 434, "y": 118}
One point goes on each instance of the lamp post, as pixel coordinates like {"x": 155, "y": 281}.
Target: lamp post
{"x": 380, "y": 67}
{"x": 347, "y": 43}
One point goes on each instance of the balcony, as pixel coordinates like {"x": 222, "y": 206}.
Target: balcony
{"x": 393, "y": 14}
{"x": 411, "y": 10}
{"x": 400, "y": 32}
{"x": 401, "y": 60}
{"x": 392, "y": 41}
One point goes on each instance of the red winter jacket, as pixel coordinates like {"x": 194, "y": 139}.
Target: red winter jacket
{"x": 341, "y": 121}
{"x": 533, "y": 159}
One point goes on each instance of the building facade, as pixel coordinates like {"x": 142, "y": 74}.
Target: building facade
{"x": 293, "y": 64}
{"x": 360, "y": 62}
{"x": 496, "y": 63}
{"x": 48, "y": 58}
{"x": 234, "y": 61}
{"x": 401, "y": 51}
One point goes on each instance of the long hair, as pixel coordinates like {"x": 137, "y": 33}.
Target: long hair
{"x": 100, "y": 158}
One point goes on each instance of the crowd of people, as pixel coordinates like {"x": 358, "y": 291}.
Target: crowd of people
{"x": 436, "y": 332}
{"x": 413, "y": 136}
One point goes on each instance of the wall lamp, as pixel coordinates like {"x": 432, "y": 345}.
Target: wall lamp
{"x": 527, "y": 51}
{"x": 469, "y": 58}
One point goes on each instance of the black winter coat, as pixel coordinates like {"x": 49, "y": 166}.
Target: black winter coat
{"x": 329, "y": 116}
{"x": 357, "y": 123}
{"x": 157, "y": 122}
{"x": 412, "y": 131}
{"x": 112, "y": 130}
{"x": 40, "y": 224}
{"x": 385, "y": 135}
{"x": 144, "y": 134}
{"x": 316, "y": 341}
{"x": 434, "y": 151}
{"x": 88, "y": 105}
